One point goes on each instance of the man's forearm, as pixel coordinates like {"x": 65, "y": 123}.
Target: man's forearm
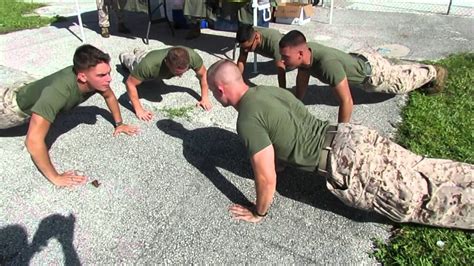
{"x": 241, "y": 61}
{"x": 133, "y": 96}
{"x": 300, "y": 92}
{"x": 265, "y": 193}
{"x": 204, "y": 88}
{"x": 40, "y": 156}
{"x": 345, "y": 112}
{"x": 114, "y": 108}
{"x": 281, "y": 78}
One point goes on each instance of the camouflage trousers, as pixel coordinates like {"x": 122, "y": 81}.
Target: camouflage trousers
{"x": 388, "y": 77}
{"x": 131, "y": 60}
{"x": 10, "y": 113}
{"x": 370, "y": 172}
{"x": 103, "y": 11}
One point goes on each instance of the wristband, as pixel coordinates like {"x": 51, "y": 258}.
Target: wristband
{"x": 258, "y": 214}
{"x": 117, "y": 124}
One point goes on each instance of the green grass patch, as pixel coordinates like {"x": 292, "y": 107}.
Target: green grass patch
{"x": 440, "y": 126}
{"x": 178, "y": 112}
{"x": 12, "y": 16}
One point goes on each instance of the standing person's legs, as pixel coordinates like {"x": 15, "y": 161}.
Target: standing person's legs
{"x": 371, "y": 172}
{"x": 118, "y": 6}
{"x": 398, "y": 78}
{"x": 10, "y": 113}
{"x": 103, "y": 14}
{"x": 194, "y": 10}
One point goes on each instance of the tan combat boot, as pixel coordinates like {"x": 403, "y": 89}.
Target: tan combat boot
{"x": 104, "y": 32}
{"x": 437, "y": 85}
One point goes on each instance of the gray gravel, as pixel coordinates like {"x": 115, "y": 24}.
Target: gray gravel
{"x": 165, "y": 193}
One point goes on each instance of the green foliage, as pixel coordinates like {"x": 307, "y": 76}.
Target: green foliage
{"x": 439, "y": 126}
{"x": 178, "y": 112}
{"x": 12, "y": 16}
{"x": 417, "y": 245}
{"x": 442, "y": 125}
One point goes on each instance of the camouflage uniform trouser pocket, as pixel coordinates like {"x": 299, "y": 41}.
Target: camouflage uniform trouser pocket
{"x": 371, "y": 172}
{"x": 392, "y": 78}
{"x": 10, "y": 113}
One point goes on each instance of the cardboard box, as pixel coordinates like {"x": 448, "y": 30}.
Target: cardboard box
{"x": 294, "y": 13}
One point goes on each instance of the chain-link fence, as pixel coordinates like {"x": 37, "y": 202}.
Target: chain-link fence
{"x": 450, "y": 7}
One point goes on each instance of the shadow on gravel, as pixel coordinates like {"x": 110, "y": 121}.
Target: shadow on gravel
{"x": 63, "y": 123}
{"x": 15, "y": 249}
{"x": 212, "y": 147}
{"x": 151, "y": 90}
{"x": 325, "y": 95}
{"x": 309, "y": 188}
{"x": 137, "y": 23}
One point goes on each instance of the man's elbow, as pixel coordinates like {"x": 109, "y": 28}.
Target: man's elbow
{"x": 347, "y": 101}
{"x": 269, "y": 182}
{"x": 29, "y": 144}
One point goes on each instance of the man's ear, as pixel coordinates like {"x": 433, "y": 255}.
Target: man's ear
{"x": 81, "y": 76}
{"x": 220, "y": 89}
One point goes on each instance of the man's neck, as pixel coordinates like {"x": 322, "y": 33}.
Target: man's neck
{"x": 307, "y": 58}
{"x": 240, "y": 95}
{"x": 259, "y": 41}
{"x": 84, "y": 87}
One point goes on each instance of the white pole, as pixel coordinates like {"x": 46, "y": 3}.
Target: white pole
{"x": 331, "y": 11}
{"x": 255, "y": 23}
{"x": 79, "y": 18}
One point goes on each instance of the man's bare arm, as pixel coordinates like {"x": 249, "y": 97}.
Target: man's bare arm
{"x": 344, "y": 97}
{"x": 201, "y": 74}
{"x": 302, "y": 79}
{"x": 242, "y": 60}
{"x": 263, "y": 164}
{"x": 132, "y": 91}
{"x": 36, "y": 145}
{"x": 112, "y": 103}
{"x": 281, "y": 73}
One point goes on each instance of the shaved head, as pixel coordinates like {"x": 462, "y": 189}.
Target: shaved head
{"x": 226, "y": 82}
{"x": 223, "y": 72}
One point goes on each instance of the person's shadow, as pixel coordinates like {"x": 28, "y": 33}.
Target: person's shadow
{"x": 15, "y": 249}
{"x": 136, "y": 22}
{"x": 211, "y": 147}
{"x": 325, "y": 95}
{"x": 63, "y": 123}
{"x": 263, "y": 68}
{"x": 152, "y": 90}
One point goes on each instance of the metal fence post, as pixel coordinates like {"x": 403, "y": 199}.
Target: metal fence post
{"x": 449, "y": 6}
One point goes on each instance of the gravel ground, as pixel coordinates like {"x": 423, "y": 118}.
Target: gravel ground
{"x": 164, "y": 194}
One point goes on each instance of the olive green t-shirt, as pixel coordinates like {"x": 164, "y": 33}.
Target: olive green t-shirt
{"x": 50, "y": 95}
{"x": 331, "y": 66}
{"x": 270, "y": 115}
{"x": 153, "y": 66}
{"x": 269, "y": 47}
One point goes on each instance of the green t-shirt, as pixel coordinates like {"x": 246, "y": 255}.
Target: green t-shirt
{"x": 270, "y": 115}
{"x": 50, "y": 95}
{"x": 153, "y": 66}
{"x": 269, "y": 47}
{"x": 331, "y": 66}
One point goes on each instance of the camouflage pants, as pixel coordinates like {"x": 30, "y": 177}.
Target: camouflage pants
{"x": 10, "y": 113}
{"x": 392, "y": 78}
{"x": 103, "y": 11}
{"x": 131, "y": 60}
{"x": 371, "y": 172}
